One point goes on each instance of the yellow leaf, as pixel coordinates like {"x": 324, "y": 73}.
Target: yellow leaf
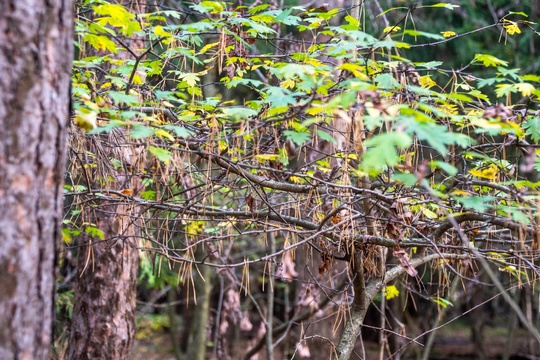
{"x": 429, "y": 214}
{"x": 447, "y": 108}
{"x": 208, "y": 47}
{"x": 296, "y": 179}
{"x": 525, "y": 88}
{"x": 265, "y": 157}
{"x": 158, "y": 30}
{"x": 426, "y": 82}
{"x": 194, "y": 227}
{"x": 86, "y": 119}
{"x": 517, "y": 129}
{"x": 117, "y": 16}
{"x": 66, "y": 236}
{"x": 489, "y": 172}
{"x": 287, "y": 84}
{"x": 448, "y": 34}
{"x": 355, "y": 69}
{"x": 100, "y": 42}
{"x": 313, "y": 62}
{"x": 137, "y": 79}
{"x": 460, "y": 193}
{"x": 391, "y": 29}
{"x": 164, "y": 134}
{"x": 512, "y": 28}
{"x": 390, "y": 292}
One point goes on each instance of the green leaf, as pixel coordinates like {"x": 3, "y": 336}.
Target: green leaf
{"x": 442, "y": 302}
{"x": 326, "y": 136}
{"x": 429, "y": 65}
{"x": 444, "y": 5}
{"x": 94, "y": 231}
{"x": 299, "y": 138}
{"x": 477, "y": 203}
{"x": 180, "y": 131}
{"x": 141, "y": 131}
{"x": 387, "y": 81}
{"x": 437, "y": 136}
{"x": 381, "y": 150}
{"x": 533, "y": 128}
{"x": 354, "y": 24}
{"x": 148, "y": 195}
{"x": 110, "y": 126}
{"x": 236, "y": 113}
{"x": 120, "y": 97}
{"x": 258, "y": 8}
{"x": 424, "y": 34}
{"x": 190, "y": 78}
{"x": 163, "y": 155}
{"x": 447, "y": 168}
{"x": 489, "y": 60}
{"x": 406, "y": 179}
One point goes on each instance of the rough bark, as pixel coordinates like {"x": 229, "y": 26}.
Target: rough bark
{"x": 35, "y": 37}
{"x": 103, "y": 323}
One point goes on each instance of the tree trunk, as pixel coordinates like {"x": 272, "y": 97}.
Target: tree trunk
{"x": 35, "y": 37}
{"x": 103, "y": 321}
{"x": 198, "y": 333}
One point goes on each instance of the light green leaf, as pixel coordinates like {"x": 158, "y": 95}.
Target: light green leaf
{"x": 140, "y": 132}
{"x": 238, "y": 112}
{"x": 442, "y": 302}
{"x": 424, "y": 34}
{"x": 299, "y": 138}
{"x": 94, "y": 231}
{"x": 190, "y": 78}
{"x": 446, "y": 167}
{"x": 533, "y": 128}
{"x": 163, "y": 155}
{"x": 180, "y": 131}
{"x": 489, "y": 60}
{"x": 381, "y": 150}
{"x": 444, "y": 5}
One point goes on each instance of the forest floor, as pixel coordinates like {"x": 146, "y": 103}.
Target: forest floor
{"x": 451, "y": 342}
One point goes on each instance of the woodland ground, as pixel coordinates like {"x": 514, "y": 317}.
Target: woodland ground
{"x": 453, "y": 342}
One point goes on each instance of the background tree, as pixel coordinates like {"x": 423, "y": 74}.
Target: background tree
{"x": 103, "y": 321}
{"x": 324, "y": 174}
{"x": 35, "y": 37}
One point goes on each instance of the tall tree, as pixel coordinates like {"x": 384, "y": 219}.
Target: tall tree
{"x": 35, "y": 36}
{"x": 103, "y": 324}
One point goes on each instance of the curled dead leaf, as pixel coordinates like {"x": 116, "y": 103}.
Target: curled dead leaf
{"x": 405, "y": 261}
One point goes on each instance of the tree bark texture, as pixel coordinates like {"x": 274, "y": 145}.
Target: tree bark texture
{"x": 35, "y": 62}
{"x": 103, "y": 322}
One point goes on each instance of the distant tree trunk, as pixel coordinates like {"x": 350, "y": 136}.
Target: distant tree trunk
{"x": 35, "y": 46}
{"x": 197, "y": 341}
{"x": 103, "y": 321}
